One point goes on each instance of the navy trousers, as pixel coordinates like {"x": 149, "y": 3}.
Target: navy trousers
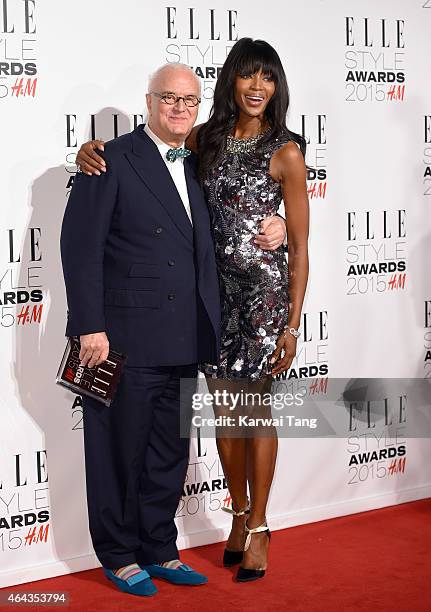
{"x": 136, "y": 463}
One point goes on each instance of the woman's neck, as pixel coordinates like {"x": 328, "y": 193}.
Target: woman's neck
{"x": 247, "y": 127}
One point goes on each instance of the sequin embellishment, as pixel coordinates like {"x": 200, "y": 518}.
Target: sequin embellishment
{"x": 253, "y": 282}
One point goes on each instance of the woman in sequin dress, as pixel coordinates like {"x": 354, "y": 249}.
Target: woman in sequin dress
{"x": 249, "y": 163}
{"x": 254, "y": 283}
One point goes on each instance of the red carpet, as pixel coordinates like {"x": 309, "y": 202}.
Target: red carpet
{"x": 373, "y": 561}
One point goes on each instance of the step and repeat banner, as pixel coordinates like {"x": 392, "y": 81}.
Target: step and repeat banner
{"x": 358, "y": 74}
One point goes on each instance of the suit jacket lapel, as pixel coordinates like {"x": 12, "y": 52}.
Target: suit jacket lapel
{"x": 151, "y": 168}
{"x": 198, "y": 207}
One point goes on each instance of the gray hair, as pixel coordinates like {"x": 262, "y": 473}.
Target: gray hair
{"x": 171, "y": 66}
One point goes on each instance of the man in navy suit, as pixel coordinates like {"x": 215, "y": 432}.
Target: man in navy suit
{"x": 141, "y": 277}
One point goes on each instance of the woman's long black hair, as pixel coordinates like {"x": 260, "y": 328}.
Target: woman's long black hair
{"x": 247, "y": 56}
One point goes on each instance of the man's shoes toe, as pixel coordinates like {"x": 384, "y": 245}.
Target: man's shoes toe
{"x": 139, "y": 584}
{"x": 183, "y": 574}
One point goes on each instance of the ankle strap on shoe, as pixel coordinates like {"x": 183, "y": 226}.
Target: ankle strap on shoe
{"x": 240, "y": 512}
{"x": 250, "y": 532}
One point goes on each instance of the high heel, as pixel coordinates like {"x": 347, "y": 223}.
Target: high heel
{"x": 244, "y": 574}
{"x": 233, "y": 557}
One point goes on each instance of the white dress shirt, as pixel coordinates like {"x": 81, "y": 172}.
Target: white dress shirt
{"x": 175, "y": 168}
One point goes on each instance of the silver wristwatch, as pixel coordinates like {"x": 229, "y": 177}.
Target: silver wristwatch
{"x": 293, "y": 331}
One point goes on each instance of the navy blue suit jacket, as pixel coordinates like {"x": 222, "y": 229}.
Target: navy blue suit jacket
{"x": 134, "y": 266}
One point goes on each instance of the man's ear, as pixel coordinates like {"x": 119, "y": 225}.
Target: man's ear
{"x": 148, "y": 100}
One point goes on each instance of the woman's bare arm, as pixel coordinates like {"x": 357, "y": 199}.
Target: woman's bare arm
{"x": 288, "y": 167}
{"x": 92, "y": 163}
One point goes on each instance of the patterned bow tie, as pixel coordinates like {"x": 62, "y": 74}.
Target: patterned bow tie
{"x": 174, "y": 154}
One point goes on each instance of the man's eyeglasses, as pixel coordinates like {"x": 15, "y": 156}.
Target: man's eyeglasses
{"x": 171, "y": 99}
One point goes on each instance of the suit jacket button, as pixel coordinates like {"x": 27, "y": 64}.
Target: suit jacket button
{"x": 159, "y": 230}
{"x": 171, "y": 262}
{"x": 171, "y": 296}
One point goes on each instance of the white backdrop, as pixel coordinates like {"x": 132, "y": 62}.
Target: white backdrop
{"x": 358, "y": 74}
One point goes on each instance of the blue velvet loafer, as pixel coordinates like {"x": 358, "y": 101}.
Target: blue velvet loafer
{"x": 138, "y": 584}
{"x": 184, "y": 574}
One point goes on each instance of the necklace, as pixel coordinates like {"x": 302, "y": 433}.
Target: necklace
{"x": 243, "y": 145}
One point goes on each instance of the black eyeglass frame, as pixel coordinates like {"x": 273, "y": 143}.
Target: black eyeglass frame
{"x": 177, "y": 98}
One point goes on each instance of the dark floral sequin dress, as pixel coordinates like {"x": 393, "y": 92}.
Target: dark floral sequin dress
{"x": 253, "y": 282}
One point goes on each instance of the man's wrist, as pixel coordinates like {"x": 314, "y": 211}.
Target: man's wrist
{"x": 283, "y": 221}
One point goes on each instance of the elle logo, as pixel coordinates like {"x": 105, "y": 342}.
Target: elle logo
{"x": 317, "y": 323}
{"x": 226, "y": 17}
{"x": 21, "y": 475}
{"x": 34, "y": 246}
{"x": 317, "y": 132}
{"x": 384, "y": 408}
{"x": 25, "y": 16}
{"x": 365, "y": 32}
{"x": 368, "y": 226}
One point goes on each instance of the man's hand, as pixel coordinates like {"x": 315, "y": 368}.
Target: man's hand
{"x": 272, "y": 233}
{"x": 94, "y": 349}
{"x": 87, "y": 159}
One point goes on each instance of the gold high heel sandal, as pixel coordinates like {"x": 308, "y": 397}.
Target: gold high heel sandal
{"x": 233, "y": 557}
{"x": 244, "y": 574}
